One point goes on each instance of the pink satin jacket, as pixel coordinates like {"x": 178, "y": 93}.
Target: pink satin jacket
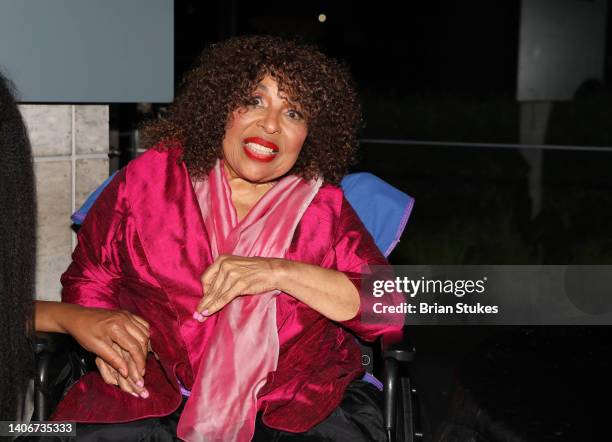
{"x": 143, "y": 248}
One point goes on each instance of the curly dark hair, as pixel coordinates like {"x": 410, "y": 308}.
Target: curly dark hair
{"x": 223, "y": 80}
{"x": 17, "y": 255}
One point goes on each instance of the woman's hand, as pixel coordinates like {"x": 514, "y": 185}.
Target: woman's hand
{"x": 232, "y": 276}
{"x": 327, "y": 291}
{"x": 97, "y": 330}
{"x": 119, "y": 339}
{"x": 125, "y": 383}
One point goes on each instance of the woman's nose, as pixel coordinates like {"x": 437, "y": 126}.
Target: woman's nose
{"x": 270, "y": 122}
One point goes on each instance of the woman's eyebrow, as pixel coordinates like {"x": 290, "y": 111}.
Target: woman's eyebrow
{"x": 281, "y": 95}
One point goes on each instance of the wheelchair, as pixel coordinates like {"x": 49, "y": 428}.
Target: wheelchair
{"x": 384, "y": 211}
{"x": 60, "y": 362}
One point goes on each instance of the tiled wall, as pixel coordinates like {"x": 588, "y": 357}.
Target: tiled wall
{"x": 70, "y": 149}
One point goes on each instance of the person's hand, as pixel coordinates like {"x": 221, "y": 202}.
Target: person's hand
{"x": 121, "y": 341}
{"x": 125, "y": 383}
{"x": 232, "y": 276}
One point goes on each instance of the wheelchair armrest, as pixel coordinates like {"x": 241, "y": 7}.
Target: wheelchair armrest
{"x": 397, "y": 347}
{"x": 46, "y": 345}
{"x": 60, "y": 362}
{"x": 51, "y": 342}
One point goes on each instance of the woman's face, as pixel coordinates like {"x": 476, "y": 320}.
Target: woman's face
{"x": 263, "y": 141}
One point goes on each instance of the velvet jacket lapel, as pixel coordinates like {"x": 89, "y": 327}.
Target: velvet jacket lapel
{"x": 170, "y": 226}
{"x": 173, "y": 237}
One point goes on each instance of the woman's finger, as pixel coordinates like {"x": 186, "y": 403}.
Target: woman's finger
{"x": 107, "y": 354}
{"x": 220, "y": 278}
{"x": 137, "y": 349}
{"x": 143, "y": 332}
{"x": 107, "y": 373}
{"x": 224, "y": 287}
{"x": 141, "y": 321}
{"x": 227, "y": 293}
{"x": 141, "y": 337}
{"x": 138, "y": 386}
{"x": 125, "y": 385}
{"x": 134, "y": 369}
{"x": 136, "y": 329}
{"x": 209, "y": 295}
{"x": 212, "y": 306}
{"x": 210, "y": 279}
{"x": 209, "y": 275}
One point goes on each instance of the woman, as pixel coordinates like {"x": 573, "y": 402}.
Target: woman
{"x": 232, "y": 240}
{"x": 110, "y": 334}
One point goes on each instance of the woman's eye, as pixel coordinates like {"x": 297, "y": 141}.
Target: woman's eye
{"x": 295, "y": 115}
{"x": 256, "y": 101}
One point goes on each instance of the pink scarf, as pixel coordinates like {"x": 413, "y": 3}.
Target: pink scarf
{"x": 244, "y": 348}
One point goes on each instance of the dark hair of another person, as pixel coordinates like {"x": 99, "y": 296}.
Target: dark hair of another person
{"x": 224, "y": 79}
{"x": 17, "y": 255}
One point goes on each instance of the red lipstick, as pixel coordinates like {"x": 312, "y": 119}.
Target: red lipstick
{"x": 262, "y": 142}
{"x": 253, "y": 148}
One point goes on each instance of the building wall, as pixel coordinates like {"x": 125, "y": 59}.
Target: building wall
{"x": 70, "y": 148}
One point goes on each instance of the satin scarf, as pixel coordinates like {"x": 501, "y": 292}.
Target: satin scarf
{"x": 244, "y": 348}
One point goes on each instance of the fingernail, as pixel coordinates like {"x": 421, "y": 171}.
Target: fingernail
{"x": 134, "y": 394}
{"x": 144, "y": 394}
{"x": 206, "y": 313}
{"x": 197, "y": 316}
{"x": 140, "y": 383}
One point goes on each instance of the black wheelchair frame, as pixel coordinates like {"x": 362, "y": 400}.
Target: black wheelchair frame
{"x": 61, "y": 362}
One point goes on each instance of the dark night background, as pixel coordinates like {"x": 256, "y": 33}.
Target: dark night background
{"x": 447, "y": 71}
{"x": 441, "y": 71}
